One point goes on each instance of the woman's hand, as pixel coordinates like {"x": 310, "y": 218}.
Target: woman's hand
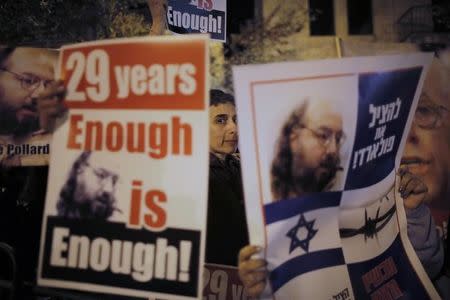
{"x": 412, "y": 189}
{"x": 252, "y": 272}
{"x": 50, "y": 105}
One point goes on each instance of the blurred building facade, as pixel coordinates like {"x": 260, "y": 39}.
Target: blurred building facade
{"x": 424, "y": 22}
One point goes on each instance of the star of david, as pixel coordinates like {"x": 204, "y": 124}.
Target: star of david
{"x": 292, "y": 233}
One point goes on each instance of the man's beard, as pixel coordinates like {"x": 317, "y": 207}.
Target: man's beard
{"x": 311, "y": 180}
{"x": 10, "y": 125}
{"x": 101, "y": 207}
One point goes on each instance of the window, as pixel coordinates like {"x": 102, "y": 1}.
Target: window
{"x": 359, "y": 14}
{"x": 441, "y": 15}
{"x": 321, "y": 17}
{"x": 238, "y": 12}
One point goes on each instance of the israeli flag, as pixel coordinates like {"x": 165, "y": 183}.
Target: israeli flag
{"x": 304, "y": 251}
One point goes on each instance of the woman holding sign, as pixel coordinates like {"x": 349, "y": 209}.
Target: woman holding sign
{"x": 226, "y": 227}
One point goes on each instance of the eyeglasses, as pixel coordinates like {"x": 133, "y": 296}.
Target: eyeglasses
{"x": 28, "y": 82}
{"x": 103, "y": 175}
{"x": 429, "y": 116}
{"x": 325, "y": 136}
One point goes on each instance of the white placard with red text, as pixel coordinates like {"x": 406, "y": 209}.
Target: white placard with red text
{"x": 137, "y": 131}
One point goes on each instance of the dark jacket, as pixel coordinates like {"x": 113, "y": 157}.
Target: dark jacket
{"x": 425, "y": 239}
{"x": 227, "y": 227}
{"x": 22, "y": 197}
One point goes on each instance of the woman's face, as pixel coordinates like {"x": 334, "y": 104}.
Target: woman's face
{"x": 223, "y": 134}
{"x": 427, "y": 149}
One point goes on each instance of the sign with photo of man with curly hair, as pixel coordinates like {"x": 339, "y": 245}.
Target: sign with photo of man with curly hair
{"x": 321, "y": 158}
{"x": 123, "y": 214}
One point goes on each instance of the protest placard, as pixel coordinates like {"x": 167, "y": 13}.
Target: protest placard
{"x": 198, "y": 16}
{"x": 24, "y": 73}
{"x": 427, "y": 152}
{"x": 222, "y": 282}
{"x": 320, "y": 145}
{"x": 123, "y": 213}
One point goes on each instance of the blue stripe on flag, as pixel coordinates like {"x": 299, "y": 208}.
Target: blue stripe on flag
{"x": 283, "y": 209}
{"x": 305, "y": 263}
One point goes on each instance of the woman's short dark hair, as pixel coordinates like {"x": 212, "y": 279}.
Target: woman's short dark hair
{"x": 217, "y": 97}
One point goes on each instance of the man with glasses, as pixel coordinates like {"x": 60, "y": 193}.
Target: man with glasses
{"x": 24, "y": 73}
{"x": 427, "y": 156}
{"x": 427, "y": 149}
{"x": 307, "y": 155}
{"x": 89, "y": 191}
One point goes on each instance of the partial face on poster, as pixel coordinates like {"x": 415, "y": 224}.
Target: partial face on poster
{"x": 307, "y": 150}
{"x": 427, "y": 148}
{"x": 24, "y": 73}
{"x": 90, "y": 189}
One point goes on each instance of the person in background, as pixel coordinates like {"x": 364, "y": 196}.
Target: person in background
{"x": 427, "y": 149}
{"x": 427, "y": 155}
{"x": 226, "y": 226}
